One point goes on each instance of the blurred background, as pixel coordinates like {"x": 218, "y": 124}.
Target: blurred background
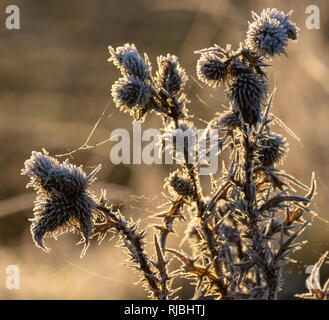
{"x": 54, "y": 84}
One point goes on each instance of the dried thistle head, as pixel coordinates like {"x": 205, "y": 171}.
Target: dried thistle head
{"x": 268, "y": 34}
{"x": 182, "y": 135}
{"x": 132, "y": 95}
{"x": 63, "y": 202}
{"x": 211, "y": 69}
{"x": 179, "y": 184}
{"x": 170, "y": 75}
{"x": 133, "y": 92}
{"x": 273, "y": 148}
{"x": 128, "y": 60}
{"x": 291, "y": 27}
{"x": 37, "y": 168}
{"x": 229, "y": 120}
{"x": 247, "y": 92}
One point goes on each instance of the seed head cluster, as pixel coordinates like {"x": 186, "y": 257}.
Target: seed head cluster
{"x": 242, "y": 71}
{"x": 243, "y": 228}
{"x": 63, "y": 202}
{"x": 138, "y": 92}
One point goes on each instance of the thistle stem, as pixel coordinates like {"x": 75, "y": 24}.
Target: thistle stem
{"x": 250, "y": 197}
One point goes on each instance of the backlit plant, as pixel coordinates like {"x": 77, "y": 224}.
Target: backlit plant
{"x": 244, "y": 232}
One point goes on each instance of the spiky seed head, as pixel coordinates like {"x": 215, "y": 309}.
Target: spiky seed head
{"x": 134, "y": 65}
{"x": 273, "y": 149}
{"x": 210, "y": 69}
{"x": 132, "y": 95}
{"x": 58, "y": 214}
{"x": 178, "y": 183}
{"x": 291, "y": 28}
{"x": 184, "y": 129}
{"x": 128, "y": 60}
{"x": 170, "y": 75}
{"x": 38, "y": 168}
{"x": 116, "y": 55}
{"x": 63, "y": 202}
{"x": 247, "y": 92}
{"x": 267, "y": 36}
{"x": 229, "y": 120}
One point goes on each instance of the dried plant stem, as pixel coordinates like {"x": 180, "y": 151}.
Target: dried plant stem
{"x": 136, "y": 249}
{"x": 215, "y": 259}
{"x": 268, "y": 272}
{"x": 209, "y": 237}
{"x": 193, "y": 176}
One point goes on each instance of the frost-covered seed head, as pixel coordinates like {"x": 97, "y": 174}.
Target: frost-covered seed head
{"x": 170, "y": 76}
{"x": 132, "y": 95}
{"x": 247, "y": 92}
{"x": 55, "y": 215}
{"x": 128, "y": 60}
{"x": 48, "y": 175}
{"x": 273, "y": 149}
{"x": 38, "y": 168}
{"x": 181, "y": 139}
{"x": 178, "y": 183}
{"x": 210, "y": 69}
{"x": 184, "y": 129}
{"x": 63, "y": 203}
{"x": 229, "y": 120}
{"x": 283, "y": 18}
{"x": 267, "y": 36}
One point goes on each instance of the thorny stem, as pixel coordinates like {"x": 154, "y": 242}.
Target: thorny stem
{"x": 239, "y": 243}
{"x": 193, "y": 177}
{"x": 214, "y": 255}
{"x": 136, "y": 240}
{"x": 250, "y": 197}
{"x": 202, "y": 208}
{"x": 249, "y": 186}
{"x": 205, "y": 228}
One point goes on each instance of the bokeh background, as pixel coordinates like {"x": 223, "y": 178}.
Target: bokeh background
{"x": 54, "y": 84}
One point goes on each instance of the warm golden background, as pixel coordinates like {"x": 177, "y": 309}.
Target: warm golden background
{"x": 55, "y": 82}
